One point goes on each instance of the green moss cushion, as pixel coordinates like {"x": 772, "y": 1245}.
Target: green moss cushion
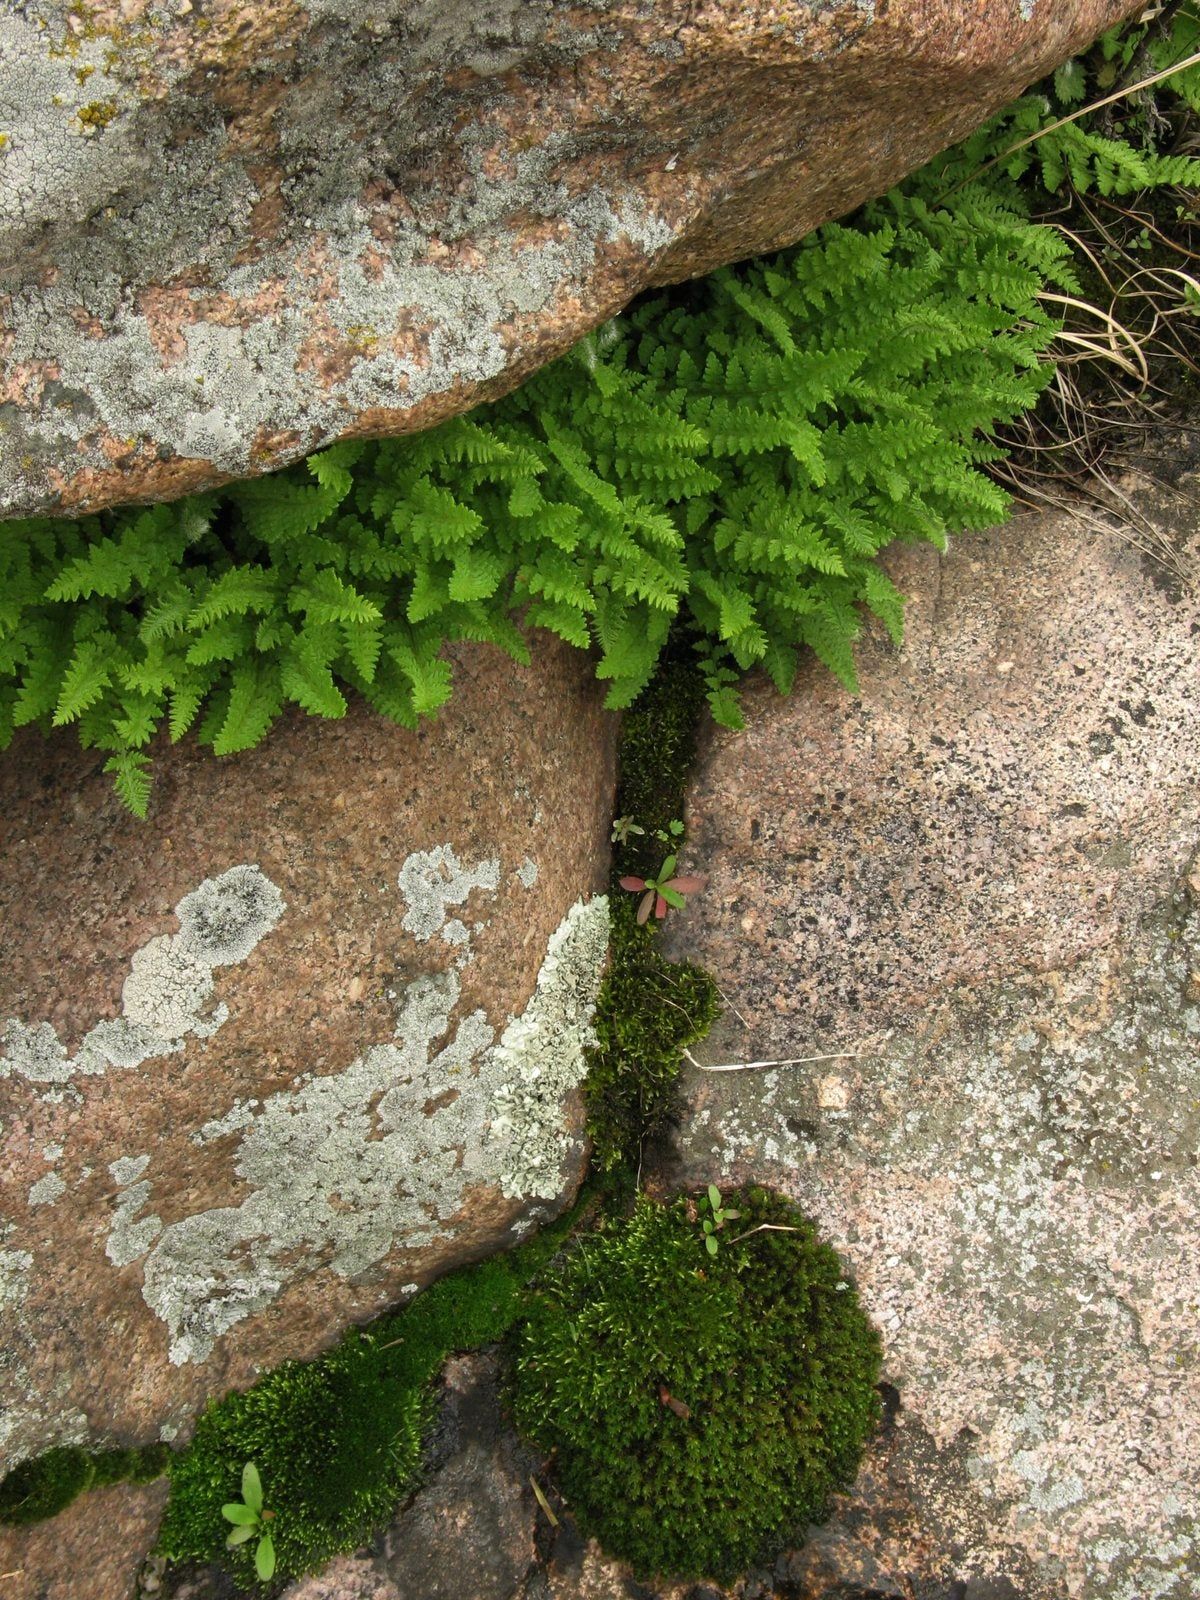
{"x": 702, "y": 1408}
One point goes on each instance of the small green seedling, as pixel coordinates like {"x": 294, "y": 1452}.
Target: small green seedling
{"x": 251, "y": 1520}
{"x": 713, "y": 1223}
{"x": 662, "y": 891}
{"x": 623, "y": 829}
{"x": 671, "y": 833}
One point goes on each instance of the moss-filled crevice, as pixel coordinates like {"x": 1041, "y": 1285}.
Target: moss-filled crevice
{"x": 46, "y": 1485}
{"x": 338, "y": 1441}
{"x": 650, "y": 1009}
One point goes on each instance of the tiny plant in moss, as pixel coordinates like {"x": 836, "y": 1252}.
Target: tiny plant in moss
{"x": 624, "y": 829}
{"x": 339, "y": 1440}
{"x": 718, "y": 1215}
{"x": 252, "y": 1520}
{"x": 663, "y": 890}
{"x": 701, "y": 1409}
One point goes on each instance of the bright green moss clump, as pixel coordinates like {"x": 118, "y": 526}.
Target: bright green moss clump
{"x": 338, "y": 1441}
{"x": 701, "y": 1408}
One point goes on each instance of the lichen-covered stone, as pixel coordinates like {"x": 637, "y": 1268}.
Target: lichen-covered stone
{"x": 231, "y": 233}
{"x": 970, "y": 885}
{"x": 305, "y": 1039}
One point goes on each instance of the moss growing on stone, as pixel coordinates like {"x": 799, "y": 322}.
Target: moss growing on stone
{"x": 46, "y": 1485}
{"x": 650, "y": 1009}
{"x": 701, "y": 1408}
{"x": 338, "y": 1441}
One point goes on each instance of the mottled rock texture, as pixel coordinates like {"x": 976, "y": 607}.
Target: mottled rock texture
{"x": 980, "y": 879}
{"x": 259, "y": 1068}
{"x": 90, "y": 1551}
{"x": 471, "y": 1532}
{"x": 230, "y": 233}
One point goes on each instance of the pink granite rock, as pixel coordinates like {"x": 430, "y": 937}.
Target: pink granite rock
{"x": 970, "y": 887}
{"x": 91, "y": 1551}
{"x": 259, "y": 1069}
{"x": 231, "y": 233}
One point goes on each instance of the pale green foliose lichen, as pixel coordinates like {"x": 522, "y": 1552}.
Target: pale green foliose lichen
{"x": 343, "y": 1169}
{"x": 167, "y": 995}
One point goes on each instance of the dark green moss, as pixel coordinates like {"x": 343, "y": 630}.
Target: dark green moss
{"x": 701, "y": 1408}
{"x": 649, "y": 1009}
{"x": 43, "y": 1487}
{"x": 338, "y": 1441}
{"x": 657, "y": 750}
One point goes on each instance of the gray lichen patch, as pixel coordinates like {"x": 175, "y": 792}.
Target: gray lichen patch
{"x": 129, "y": 1238}
{"x": 431, "y": 880}
{"x": 14, "y": 1272}
{"x": 241, "y": 1116}
{"x": 28, "y": 1424}
{"x": 47, "y": 1190}
{"x": 118, "y": 194}
{"x": 346, "y": 1168}
{"x": 225, "y": 918}
{"x": 541, "y": 1054}
{"x": 167, "y": 994}
{"x": 35, "y": 1053}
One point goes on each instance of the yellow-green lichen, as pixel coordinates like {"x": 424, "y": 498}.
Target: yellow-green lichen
{"x": 97, "y": 113}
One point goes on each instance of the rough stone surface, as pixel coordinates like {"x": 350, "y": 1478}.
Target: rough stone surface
{"x": 978, "y": 880}
{"x": 470, "y": 1534}
{"x": 305, "y": 1039}
{"x": 90, "y": 1551}
{"x": 231, "y": 233}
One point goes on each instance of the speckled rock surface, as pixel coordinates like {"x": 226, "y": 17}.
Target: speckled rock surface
{"x": 259, "y": 1068}
{"x": 981, "y": 881}
{"x": 230, "y": 233}
{"x": 90, "y": 1551}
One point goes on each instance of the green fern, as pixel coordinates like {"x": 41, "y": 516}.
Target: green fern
{"x": 1120, "y": 153}
{"x": 729, "y": 457}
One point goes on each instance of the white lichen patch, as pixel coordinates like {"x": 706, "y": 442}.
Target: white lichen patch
{"x": 344, "y": 1169}
{"x": 14, "y": 1277}
{"x": 128, "y": 1238}
{"x": 27, "y": 1424}
{"x": 167, "y": 995}
{"x": 241, "y": 1116}
{"x": 47, "y": 1190}
{"x": 540, "y": 1057}
{"x": 431, "y": 880}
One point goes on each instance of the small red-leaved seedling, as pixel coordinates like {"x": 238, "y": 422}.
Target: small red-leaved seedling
{"x": 663, "y": 890}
